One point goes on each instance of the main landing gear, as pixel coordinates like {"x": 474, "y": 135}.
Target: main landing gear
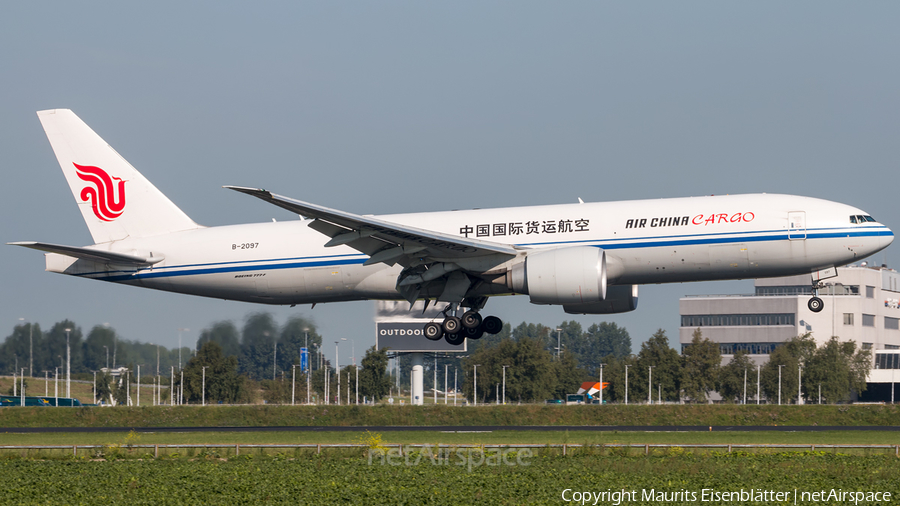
{"x": 455, "y": 330}
{"x": 815, "y": 304}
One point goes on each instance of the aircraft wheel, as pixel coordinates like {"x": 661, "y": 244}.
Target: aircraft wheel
{"x": 455, "y": 339}
{"x": 492, "y": 325}
{"x": 451, "y": 325}
{"x": 815, "y": 304}
{"x": 433, "y": 331}
{"x": 471, "y": 320}
{"x": 475, "y": 333}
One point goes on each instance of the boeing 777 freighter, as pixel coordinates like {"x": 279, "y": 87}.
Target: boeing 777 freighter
{"x": 588, "y": 258}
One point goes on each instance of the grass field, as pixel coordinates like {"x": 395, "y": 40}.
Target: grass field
{"x": 535, "y": 414}
{"x": 495, "y": 437}
{"x": 350, "y": 477}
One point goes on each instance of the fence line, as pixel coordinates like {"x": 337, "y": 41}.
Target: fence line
{"x": 406, "y": 447}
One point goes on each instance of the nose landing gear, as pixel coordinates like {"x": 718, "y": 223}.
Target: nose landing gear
{"x": 815, "y": 304}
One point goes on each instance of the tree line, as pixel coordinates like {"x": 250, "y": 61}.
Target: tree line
{"x": 259, "y": 359}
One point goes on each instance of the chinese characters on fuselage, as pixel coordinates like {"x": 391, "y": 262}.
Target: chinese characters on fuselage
{"x": 525, "y": 228}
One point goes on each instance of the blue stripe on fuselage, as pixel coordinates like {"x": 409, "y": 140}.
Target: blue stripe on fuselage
{"x": 610, "y": 244}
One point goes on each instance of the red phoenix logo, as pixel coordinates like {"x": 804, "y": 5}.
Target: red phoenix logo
{"x": 107, "y": 203}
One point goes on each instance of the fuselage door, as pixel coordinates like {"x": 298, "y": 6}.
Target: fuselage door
{"x": 797, "y": 225}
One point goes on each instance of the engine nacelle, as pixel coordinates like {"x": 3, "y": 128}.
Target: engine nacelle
{"x": 619, "y": 299}
{"x": 575, "y": 275}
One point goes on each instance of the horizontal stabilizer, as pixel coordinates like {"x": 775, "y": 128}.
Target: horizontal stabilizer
{"x": 91, "y": 254}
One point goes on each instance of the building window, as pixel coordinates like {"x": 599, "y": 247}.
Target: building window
{"x": 748, "y": 348}
{"x": 867, "y": 346}
{"x": 735, "y": 320}
{"x": 870, "y": 292}
{"x": 891, "y": 323}
{"x": 848, "y": 318}
{"x": 887, "y": 361}
{"x": 868, "y": 320}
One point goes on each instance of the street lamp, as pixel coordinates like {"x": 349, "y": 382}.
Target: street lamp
{"x": 650, "y": 385}
{"x": 799, "y": 385}
{"x": 203, "y": 390}
{"x": 757, "y": 384}
{"x": 504, "y": 384}
{"x": 293, "y": 382}
{"x": 779, "y": 384}
{"x": 558, "y": 345}
{"x": 68, "y": 366}
{"x": 626, "y": 383}
{"x": 475, "y": 391}
{"x": 107, "y": 358}
{"x": 601, "y": 383}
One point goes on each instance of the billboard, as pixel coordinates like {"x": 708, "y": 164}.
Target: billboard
{"x": 406, "y": 336}
{"x": 304, "y": 359}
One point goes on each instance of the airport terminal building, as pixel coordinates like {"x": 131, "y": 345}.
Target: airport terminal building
{"x": 862, "y": 304}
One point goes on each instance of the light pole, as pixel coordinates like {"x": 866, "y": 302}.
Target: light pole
{"x": 56, "y": 387}
{"x": 558, "y": 342}
{"x": 475, "y": 392}
{"x": 308, "y": 362}
{"x": 504, "y": 384}
{"x": 274, "y": 360}
{"x": 107, "y": 358}
{"x": 203, "y": 390}
{"x": 139, "y": 385}
{"x": 434, "y": 383}
{"x": 293, "y": 383}
{"x": 745, "y": 386}
{"x": 601, "y": 383}
{"x": 799, "y": 385}
{"x": 757, "y": 384}
{"x": 779, "y": 384}
{"x": 446, "y": 393}
{"x": 68, "y": 366}
{"x": 337, "y": 369}
{"x": 455, "y": 393}
{"x": 650, "y": 385}
{"x": 22, "y": 375}
{"x": 357, "y": 383}
{"x": 626, "y": 383}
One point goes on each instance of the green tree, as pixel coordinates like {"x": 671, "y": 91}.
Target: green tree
{"x": 374, "y": 383}
{"x": 225, "y": 334}
{"x": 292, "y": 338}
{"x": 839, "y": 368}
{"x": 17, "y": 349}
{"x": 93, "y": 347}
{"x": 701, "y": 361}
{"x": 258, "y": 346}
{"x": 222, "y": 380}
{"x": 791, "y": 356}
{"x": 666, "y": 375}
{"x": 731, "y": 377}
{"x": 569, "y": 376}
{"x": 531, "y": 375}
{"x": 599, "y": 342}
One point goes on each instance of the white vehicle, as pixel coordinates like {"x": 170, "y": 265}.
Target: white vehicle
{"x": 588, "y": 258}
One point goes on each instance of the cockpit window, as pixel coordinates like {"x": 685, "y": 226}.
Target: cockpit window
{"x": 869, "y": 218}
{"x": 852, "y": 219}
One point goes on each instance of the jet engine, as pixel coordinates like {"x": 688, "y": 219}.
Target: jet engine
{"x": 619, "y": 299}
{"x": 575, "y": 275}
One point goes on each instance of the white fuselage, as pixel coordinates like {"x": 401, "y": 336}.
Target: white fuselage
{"x": 646, "y": 241}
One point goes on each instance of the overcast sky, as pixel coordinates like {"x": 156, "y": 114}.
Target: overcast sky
{"x": 391, "y": 107}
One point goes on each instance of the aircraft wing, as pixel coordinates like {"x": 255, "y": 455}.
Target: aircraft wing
{"x": 427, "y": 256}
{"x": 90, "y": 254}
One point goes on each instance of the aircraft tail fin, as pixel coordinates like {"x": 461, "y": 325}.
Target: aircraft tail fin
{"x": 115, "y": 200}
